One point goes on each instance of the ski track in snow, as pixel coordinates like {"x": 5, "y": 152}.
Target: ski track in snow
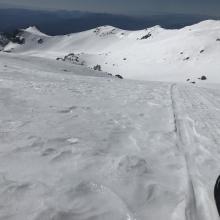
{"x": 192, "y": 108}
{"x": 76, "y": 144}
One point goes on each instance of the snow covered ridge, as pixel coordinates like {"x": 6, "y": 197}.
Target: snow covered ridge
{"x": 152, "y": 54}
{"x": 34, "y": 30}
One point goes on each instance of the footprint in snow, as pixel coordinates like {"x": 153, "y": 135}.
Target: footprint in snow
{"x": 68, "y": 110}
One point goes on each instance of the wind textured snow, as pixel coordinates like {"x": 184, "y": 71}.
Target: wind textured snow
{"x": 79, "y": 144}
{"x": 154, "y": 54}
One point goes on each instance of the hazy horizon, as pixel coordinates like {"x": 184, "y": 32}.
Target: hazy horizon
{"x": 138, "y": 8}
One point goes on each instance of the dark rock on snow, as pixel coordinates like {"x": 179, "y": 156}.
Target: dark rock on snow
{"x": 119, "y": 76}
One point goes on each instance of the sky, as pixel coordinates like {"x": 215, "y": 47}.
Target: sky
{"x": 129, "y": 7}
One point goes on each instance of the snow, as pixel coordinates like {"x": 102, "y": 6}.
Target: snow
{"x": 78, "y": 144}
{"x": 166, "y": 55}
{"x": 34, "y": 31}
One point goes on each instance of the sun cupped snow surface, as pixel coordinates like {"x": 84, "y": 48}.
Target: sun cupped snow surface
{"x": 75, "y": 145}
{"x": 152, "y": 54}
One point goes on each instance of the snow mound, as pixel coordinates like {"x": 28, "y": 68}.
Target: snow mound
{"x": 34, "y": 30}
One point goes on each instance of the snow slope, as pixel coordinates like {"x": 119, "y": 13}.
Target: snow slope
{"x": 151, "y": 54}
{"x": 75, "y": 145}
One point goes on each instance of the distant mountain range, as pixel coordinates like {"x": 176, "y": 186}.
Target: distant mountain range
{"x": 187, "y": 54}
{"x": 65, "y": 22}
